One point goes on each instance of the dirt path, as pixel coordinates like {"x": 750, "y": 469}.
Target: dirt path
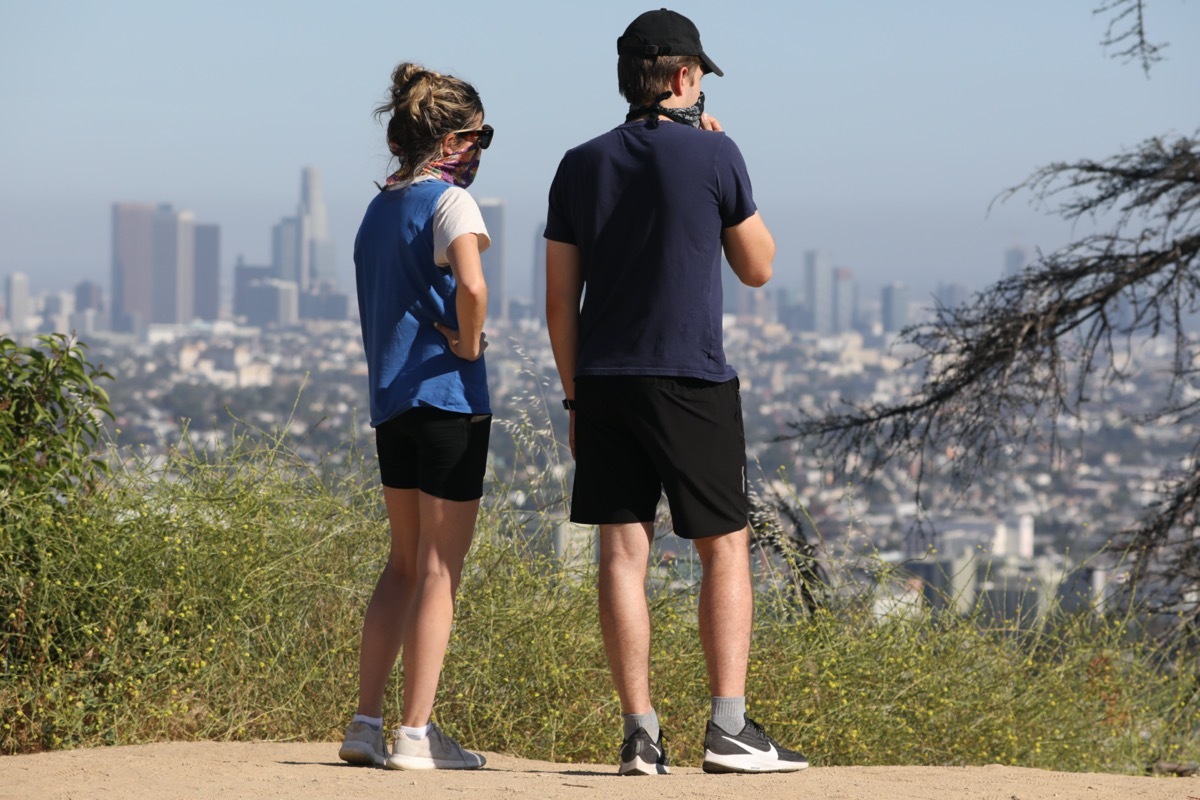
{"x": 228, "y": 771}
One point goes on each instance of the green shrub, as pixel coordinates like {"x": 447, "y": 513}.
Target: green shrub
{"x": 219, "y": 595}
{"x": 50, "y": 408}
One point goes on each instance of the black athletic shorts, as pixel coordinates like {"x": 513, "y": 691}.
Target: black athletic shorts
{"x": 442, "y": 453}
{"x": 636, "y": 436}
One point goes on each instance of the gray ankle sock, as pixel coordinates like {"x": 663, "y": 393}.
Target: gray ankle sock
{"x": 729, "y": 714}
{"x": 647, "y": 721}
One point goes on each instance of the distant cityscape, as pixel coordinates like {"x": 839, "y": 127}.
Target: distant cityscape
{"x": 194, "y": 361}
{"x": 167, "y": 271}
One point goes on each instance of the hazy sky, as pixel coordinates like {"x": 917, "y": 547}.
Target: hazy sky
{"x": 876, "y": 131}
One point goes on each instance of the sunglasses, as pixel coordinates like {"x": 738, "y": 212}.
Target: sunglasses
{"x": 482, "y": 135}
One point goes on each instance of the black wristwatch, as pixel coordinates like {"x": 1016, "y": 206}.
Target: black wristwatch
{"x": 568, "y": 404}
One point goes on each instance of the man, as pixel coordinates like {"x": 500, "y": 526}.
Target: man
{"x": 639, "y": 216}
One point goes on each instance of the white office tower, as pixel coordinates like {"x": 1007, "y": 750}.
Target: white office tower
{"x": 173, "y": 254}
{"x": 493, "y": 258}
{"x": 818, "y": 291}
{"x": 322, "y": 258}
{"x": 300, "y": 248}
{"x": 539, "y": 274}
{"x": 17, "y": 302}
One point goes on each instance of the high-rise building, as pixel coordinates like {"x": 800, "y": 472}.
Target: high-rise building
{"x": 57, "y": 310}
{"x": 274, "y": 302}
{"x": 207, "y": 290}
{"x": 245, "y": 277}
{"x": 300, "y": 248}
{"x": 895, "y": 307}
{"x": 89, "y": 308}
{"x": 17, "y": 302}
{"x": 539, "y": 273}
{"x": 173, "y": 273}
{"x": 493, "y": 258}
{"x": 289, "y": 253}
{"x": 322, "y": 258}
{"x": 845, "y": 301}
{"x": 89, "y": 296}
{"x": 818, "y": 291}
{"x": 132, "y": 265}
{"x": 952, "y": 295}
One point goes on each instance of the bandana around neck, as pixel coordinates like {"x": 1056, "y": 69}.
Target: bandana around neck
{"x": 458, "y": 168}
{"x": 684, "y": 116}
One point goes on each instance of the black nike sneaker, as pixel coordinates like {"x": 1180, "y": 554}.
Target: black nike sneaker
{"x": 750, "y": 751}
{"x": 641, "y": 756}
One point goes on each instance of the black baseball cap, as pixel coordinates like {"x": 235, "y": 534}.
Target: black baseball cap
{"x": 664, "y": 33}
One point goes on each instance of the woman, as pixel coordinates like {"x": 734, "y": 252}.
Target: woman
{"x": 422, "y": 300}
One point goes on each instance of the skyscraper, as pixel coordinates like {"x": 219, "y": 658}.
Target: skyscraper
{"x": 818, "y": 291}
{"x": 89, "y": 308}
{"x": 173, "y": 268}
{"x": 539, "y": 274}
{"x": 245, "y": 279}
{"x": 89, "y": 296}
{"x": 952, "y": 295}
{"x": 895, "y": 307}
{"x": 300, "y": 248}
{"x": 289, "y": 251}
{"x": 17, "y": 302}
{"x": 493, "y": 258}
{"x": 845, "y": 300}
{"x": 207, "y": 290}
{"x": 322, "y": 259}
{"x": 132, "y": 265}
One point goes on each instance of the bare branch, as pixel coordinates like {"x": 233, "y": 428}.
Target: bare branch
{"x": 1126, "y": 32}
{"x": 1000, "y": 372}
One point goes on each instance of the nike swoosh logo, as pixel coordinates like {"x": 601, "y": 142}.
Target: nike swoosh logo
{"x": 770, "y": 752}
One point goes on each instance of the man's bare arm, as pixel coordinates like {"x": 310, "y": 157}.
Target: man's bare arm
{"x": 564, "y": 288}
{"x": 750, "y": 249}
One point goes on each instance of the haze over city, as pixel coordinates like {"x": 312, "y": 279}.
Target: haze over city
{"x": 877, "y": 133}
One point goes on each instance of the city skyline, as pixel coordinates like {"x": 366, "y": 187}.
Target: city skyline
{"x": 878, "y": 133}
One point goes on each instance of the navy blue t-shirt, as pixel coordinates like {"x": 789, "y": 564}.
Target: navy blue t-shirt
{"x": 646, "y": 207}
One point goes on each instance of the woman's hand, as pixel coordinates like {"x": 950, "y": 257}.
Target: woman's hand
{"x": 462, "y": 349}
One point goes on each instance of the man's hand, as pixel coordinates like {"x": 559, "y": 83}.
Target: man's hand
{"x": 710, "y": 123}
{"x": 460, "y": 348}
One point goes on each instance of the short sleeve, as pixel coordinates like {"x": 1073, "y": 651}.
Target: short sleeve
{"x": 736, "y": 197}
{"x": 456, "y": 213}
{"x": 558, "y": 227}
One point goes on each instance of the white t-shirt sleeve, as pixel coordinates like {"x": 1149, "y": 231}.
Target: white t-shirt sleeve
{"x": 456, "y": 213}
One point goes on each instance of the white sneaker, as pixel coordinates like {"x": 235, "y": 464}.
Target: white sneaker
{"x": 435, "y": 751}
{"x": 363, "y": 746}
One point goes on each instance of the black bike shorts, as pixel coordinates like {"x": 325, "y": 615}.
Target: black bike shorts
{"x": 442, "y": 453}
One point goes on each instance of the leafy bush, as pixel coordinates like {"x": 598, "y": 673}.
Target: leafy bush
{"x": 50, "y": 408}
{"x": 219, "y": 595}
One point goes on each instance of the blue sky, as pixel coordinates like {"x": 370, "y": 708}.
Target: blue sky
{"x": 876, "y": 131}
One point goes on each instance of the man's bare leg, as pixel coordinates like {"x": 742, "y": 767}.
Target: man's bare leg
{"x": 624, "y": 613}
{"x": 726, "y": 610}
